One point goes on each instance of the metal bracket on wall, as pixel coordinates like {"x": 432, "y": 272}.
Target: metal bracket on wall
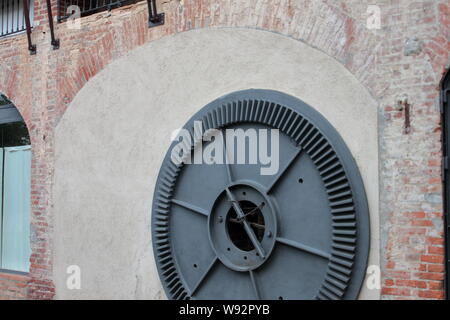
{"x": 54, "y": 42}
{"x": 26, "y": 14}
{"x": 154, "y": 18}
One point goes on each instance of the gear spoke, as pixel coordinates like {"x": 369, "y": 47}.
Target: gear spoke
{"x": 304, "y": 247}
{"x": 191, "y": 207}
{"x": 227, "y": 162}
{"x": 255, "y": 285}
{"x": 282, "y": 172}
{"x": 201, "y": 280}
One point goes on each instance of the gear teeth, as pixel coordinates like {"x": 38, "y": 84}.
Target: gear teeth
{"x": 328, "y": 164}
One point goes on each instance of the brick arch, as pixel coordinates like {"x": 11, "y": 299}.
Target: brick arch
{"x": 322, "y": 26}
{"x": 325, "y": 27}
{"x": 22, "y": 111}
{"x": 14, "y": 80}
{"x": 8, "y": 90}
{"x": 7, "y": 83}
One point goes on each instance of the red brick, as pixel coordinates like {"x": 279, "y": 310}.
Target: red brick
{"x": 436, "y": 250}
{"x": 411, "y": 283}
{"x": 435, "y": 285}
{"x": 436, "y": 268}
{"x": 432, "y": 259}
{"x": 434, "y": 240}
{"x": 396, "y": 291}
{"x": 430, "y": 294}
{"x": 422, "y": 223}
{"x": 389, "y": 282}
{"x": 430, "y": 276}
{"x": 418, "y": 215}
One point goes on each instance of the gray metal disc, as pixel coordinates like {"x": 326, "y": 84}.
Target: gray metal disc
{"x": 224, "y": 231}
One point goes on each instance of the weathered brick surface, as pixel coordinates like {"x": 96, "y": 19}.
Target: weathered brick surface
{"x": 411, "y": 199}
{"x": 13, "y": 286}
{"x": 42, "y": 87}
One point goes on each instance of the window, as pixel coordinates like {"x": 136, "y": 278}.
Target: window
{"x": 11, "y": 16}
{"x": 15, "y": 177}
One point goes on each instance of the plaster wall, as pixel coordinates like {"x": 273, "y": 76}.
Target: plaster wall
{"x": 110, "y": 143}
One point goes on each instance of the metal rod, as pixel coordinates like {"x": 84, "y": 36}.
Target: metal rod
{"x": 253, "y": 224}
{"x": 252, "y": 211}
{"x": 7, "y": 17}
{"x": 18, "y": 15}
{"x": 1, "y": 21}
{"x": 55, "y": 42}
{"x": 26, "y": 13}
{"x": 12, "y": 16}
{"x": 247, "y": 227}
{"x": 155, "y": 10}
{"x": 154, "y": 18}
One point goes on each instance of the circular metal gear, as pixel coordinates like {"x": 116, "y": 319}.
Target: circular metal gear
{"x": 226, "y": 231}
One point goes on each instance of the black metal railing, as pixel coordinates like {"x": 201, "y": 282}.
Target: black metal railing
{"x": 79, "y": 8}
{"x": 72, "y": 8}
{"x": 12, "y": 18}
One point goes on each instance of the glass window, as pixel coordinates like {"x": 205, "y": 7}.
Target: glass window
{"x": 15, "y": 202}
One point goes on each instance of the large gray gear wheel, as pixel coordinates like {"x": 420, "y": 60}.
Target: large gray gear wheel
{"x": 224, "y": 231}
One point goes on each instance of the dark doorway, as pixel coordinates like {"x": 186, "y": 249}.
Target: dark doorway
{"x": 445, "y": 97}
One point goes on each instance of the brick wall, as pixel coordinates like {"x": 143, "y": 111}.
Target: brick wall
{"x": 42, "y": 87}
{"x": 411, "y": 188}
{"x": 13, "y": 286}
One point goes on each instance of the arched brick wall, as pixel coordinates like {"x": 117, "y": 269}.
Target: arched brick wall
{"x": 325, "y": 27}
{"x": 155, "y": 88}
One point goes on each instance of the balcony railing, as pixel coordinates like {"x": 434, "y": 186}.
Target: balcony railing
{"x": 17, "y": 15}
{"x": 72, "y": 8}
{"x": 12, "y": 17}
{"x": 80, "y": 8}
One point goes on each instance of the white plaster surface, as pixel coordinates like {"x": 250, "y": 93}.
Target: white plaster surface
{"x": 113, "y": 137}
